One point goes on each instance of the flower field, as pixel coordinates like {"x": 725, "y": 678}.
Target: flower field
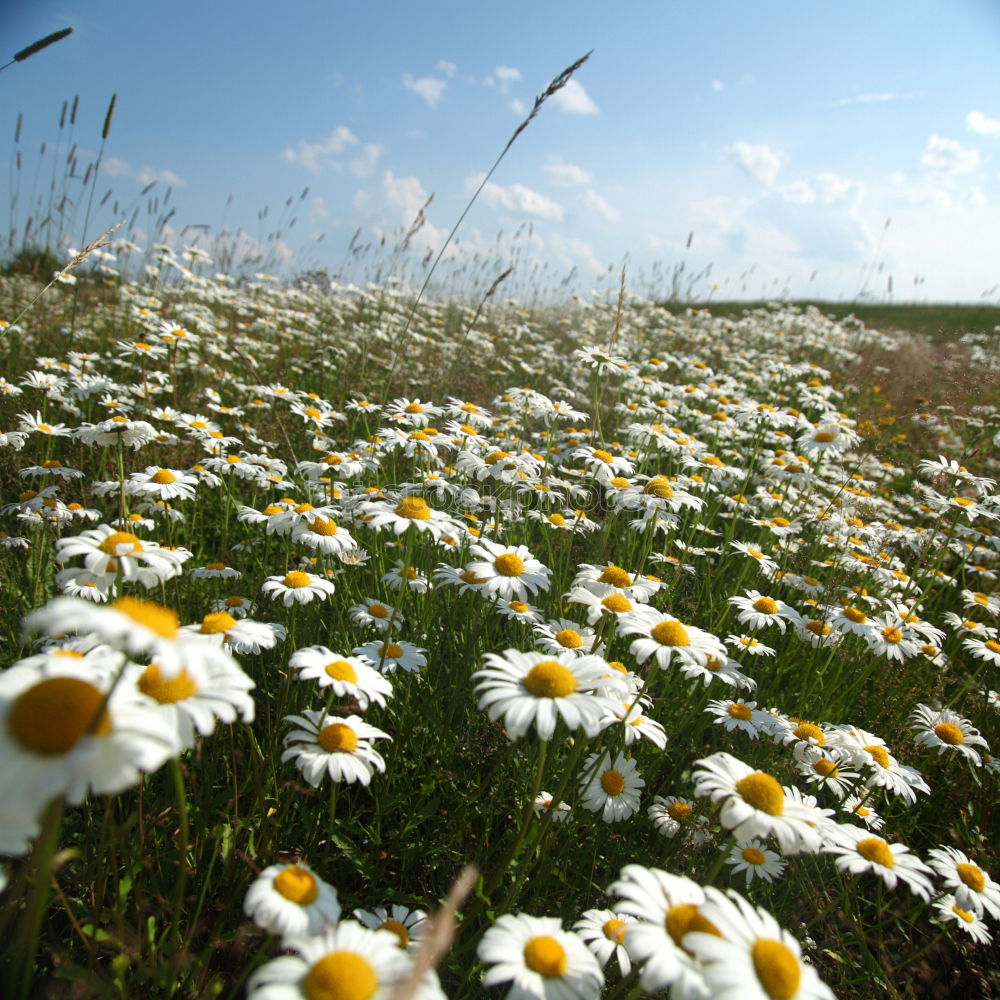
{"x": 355, "y": 648}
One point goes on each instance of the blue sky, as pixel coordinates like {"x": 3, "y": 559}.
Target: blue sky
{"x": 783, "y": 136}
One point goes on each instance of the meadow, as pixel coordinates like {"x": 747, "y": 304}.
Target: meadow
{"x": 357, "y": 647}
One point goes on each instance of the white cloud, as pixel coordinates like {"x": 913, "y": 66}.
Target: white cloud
{"x": 518, "y": 198}
{"x": 575, "y": 100}
{"x": 518, "y": 107}
{"x": 832, "y": 187}
{"x": 430, "y": 88}
{"x": 982, "y": 124}
{"x": 502, "y": 77}
{"x": 148, "y": 175}
{"x": 717, "y": 85}
{"x": 948, "y": 156}
{"x": 316, "y": 155}
{"x": 759, "y": 162}
{"x": 878, "y": 97}
{"x": 594, "y": 201}
{"x": 567, "y": 175}
{"x": 798, "y": 193}
{"x": 447, "y": 67}
{"x": 364, "y": 164}
{"x": 575, "y": 251}
{"x": 115, "y": 167}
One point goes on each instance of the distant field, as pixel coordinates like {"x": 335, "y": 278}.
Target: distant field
{"x": 941, "y": 321}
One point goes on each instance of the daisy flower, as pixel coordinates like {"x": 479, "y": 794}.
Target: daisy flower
{"x": 375, "y": 613}
{"x": 162, "y": 484}
{"x": 611, "y": 787}
{"x": 349, "y": 676}
{"x": 288, "y": 900}
{"x": 754, "y": 860}
{"x": 415, "y": 581}
{"x": 545, "y": 801}
{"x": 857, "y": 851}
{"x": 636, "y": 725}
{"x": 508, "y": 572}
{"x": 388, "y": 657}
{"x": 737, "y": 715}
{"x": 983, "y": 649}
{"x": 297, "y": 587}
{"x": 829, "y": 767}
{"x": 532, "y": 689}
{"x": 193, "y": 697}
{"x": 857, "y": 808}
{"x": 408, "y": 925}
{"x": 749, "y": 645}
{"x": 539, "y": 959}
{"x": 323, "y": 534}
{"x": 671, "y": 814}
{"x": 972, "y": 887}
{"x": 746, "y": 954}
{"x": 754, "y": 804}
{"x": 758, "y": 611}
{"x": 67, "y": 729}
{"x": 665, "y": 908}
{"x": 519, "y": 611}
{"x": 563, "y": 635}
{"x": 409, "y": 511}
{"x": 945, "y": 729}
{"x": 241, "y": 635}
{"x": 346, "y": 960}
{"x": 603, "y": 931}
{"x": 765, "y": 562}
{"x": 334, "y": 747}
{"x": 948, "y": 911}
{"x": 104, "y": 548}
{"x": 663, "y": 637}
{"x": 612, "y": 603}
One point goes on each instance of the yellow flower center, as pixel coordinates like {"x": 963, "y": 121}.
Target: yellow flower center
{"x": 550, "y": 679}
{"x": 519, "y": 606}
{"x": 892, "y": 634}
{"x": 876, "y": 850}
{"x": 163, "y": 621}
{"x": 603, "y": 456}
{"x": 323, "y": 526}
{"x": 296, "y": 884}
{"x": 807, "y": 731}
{"x": 392, "y": 651}
{"x": 616, "y": 603}
{"x": 856, "y": 616}
{"x": 569, "y": 638}
{"x": 217, "y": 622}
{"x": 296, "y": 579}
{"x": 414, "y": 508}
{"x": 615, "y": 576}
{"x": 826, "y": 768}
{"x": 557, "y": 519}
{"x": 780, "y": 522}
{"x": 680, "y": 812}
{"x": 766, "y": 606}
{"x": 378, "y": 611}
{"x": 753, "y": 856}
{"x": 762, "y": 792}
{"x": 820, "y": 629}
{"x": 620, "y": 483}
{"x": 658, "y": 487}
{"x": 614, "y": 930}
{"x": 963, "y": 914}
{"x": 612, "y": 782}
{"x": 337, "y": 737}
{"x": 685, "y": 917}
{"x": 972, "y": 876}
{"x": 880, "y": 755}
{"x": 340, "y": 975}
{"x": 546, "y": 956}
{"x": 947, "y": 733}
{"x": 341, "y": 670}
{"x": 116, "y": 540}
{"x": 777, "y": 968}
{"x": 414, "y": 408}
{"x": 178, "y": 688}
{"x": 992, "y": 645}
{"x": 496, "y": 456}
{"x": 824, "y": 437}
{"x": 234, "y": 602}
{"x": 739, "y": 711}
{"x": 670, "y": 634}
{"x": 51, "y": 716}
{"x": 509, "y": 564}
{"x": 164, "y": 477}
{"x": 398, "y": 929}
